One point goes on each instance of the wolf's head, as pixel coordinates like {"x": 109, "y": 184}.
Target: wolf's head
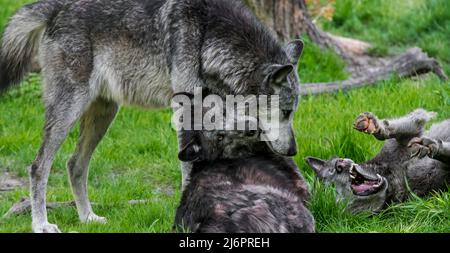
{"x": 217, "y": 145}
{"x": 203, "y": 144}
{"x": 241, "y": 56}
{"x": 258, "y": 66}
{"x": 359, "y": 184}
{"x": 282, "y": 80}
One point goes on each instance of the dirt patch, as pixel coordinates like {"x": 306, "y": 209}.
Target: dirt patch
{"x": 9, "y": 182}
{"x": 164, "y": 190}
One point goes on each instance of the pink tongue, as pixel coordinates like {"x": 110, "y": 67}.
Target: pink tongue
{"x": 362, "y": 187}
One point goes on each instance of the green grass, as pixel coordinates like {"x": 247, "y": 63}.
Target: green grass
{"x": 394, "y": 25}
{"x": 137, "y": 159}
{"x": 7, "y": 8}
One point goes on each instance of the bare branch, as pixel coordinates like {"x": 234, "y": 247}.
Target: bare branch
{"x": 24, "y": 206}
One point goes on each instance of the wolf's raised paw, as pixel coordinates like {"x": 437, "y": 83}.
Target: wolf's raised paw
{"x": 367, "y": 123}
{"x": 46, "y": 228}
{"x": 423, "y": 146}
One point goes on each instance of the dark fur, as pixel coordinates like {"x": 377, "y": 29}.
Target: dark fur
{"x": 404, "y": 167}
{"x": 252, "y": 195}
{"x": 256, "y": 192}
{"x": 190, "y": 28}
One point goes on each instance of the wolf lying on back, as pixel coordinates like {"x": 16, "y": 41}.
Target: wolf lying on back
{"x": 237, "y": 186}
{"x": 411, "y": 159}
{"x": 97, "y": 55}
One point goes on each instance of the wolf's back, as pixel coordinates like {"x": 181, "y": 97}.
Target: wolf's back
{"x": 21, "y": 38}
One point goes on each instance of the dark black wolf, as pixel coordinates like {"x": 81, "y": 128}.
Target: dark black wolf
{"x": 97, "y": 55}
{"x": 238, "y": 186}
{"x": 412, "y": 160}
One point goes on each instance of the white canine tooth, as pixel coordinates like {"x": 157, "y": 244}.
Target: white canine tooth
{"x": 380, "y": 180}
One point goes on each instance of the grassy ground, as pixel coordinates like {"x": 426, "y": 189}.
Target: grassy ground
{"x": 137, "y": 159}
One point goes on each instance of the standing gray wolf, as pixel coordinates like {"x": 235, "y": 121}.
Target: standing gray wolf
{"x": 411, "y": 160}
{"x": 239, "y": 186}
{"x": 97, "y": 55}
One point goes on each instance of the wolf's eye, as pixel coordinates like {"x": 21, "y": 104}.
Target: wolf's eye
{"x": 339, "y": 168}
{"x": 220, "y": 137}
{"x": 251, "y": 133}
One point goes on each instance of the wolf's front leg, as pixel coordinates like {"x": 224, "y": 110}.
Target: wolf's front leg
{"x": 435, "y": 149}
{"x": 402, "y": 129}
{"x": 61, "y": 115}
{"x": 186, "y": 169}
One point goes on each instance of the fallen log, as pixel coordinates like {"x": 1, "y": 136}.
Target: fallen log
{"x": 412, "y": 63}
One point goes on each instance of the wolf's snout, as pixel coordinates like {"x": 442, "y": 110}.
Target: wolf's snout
{"x": 292, "y": 150}
{"x": 285, "y": 145}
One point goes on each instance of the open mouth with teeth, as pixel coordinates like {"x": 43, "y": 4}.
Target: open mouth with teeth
{"x": 364, "y": 183}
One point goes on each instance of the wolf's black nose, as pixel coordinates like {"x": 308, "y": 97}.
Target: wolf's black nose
{"x": 292, "y": 151}
{"x": 286, "y": 113}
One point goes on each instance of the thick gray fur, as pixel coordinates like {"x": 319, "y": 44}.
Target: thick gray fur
{"x": 412, "y": 160}
{"x": 97, "y": 55}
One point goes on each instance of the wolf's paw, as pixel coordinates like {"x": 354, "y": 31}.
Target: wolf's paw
{"x": 423, "y": 146}
{"x": 46, "y": 228}
{"x": 367, "y": 123}
{"x": 93, "y": 218}
{"x": 422, "y": 116}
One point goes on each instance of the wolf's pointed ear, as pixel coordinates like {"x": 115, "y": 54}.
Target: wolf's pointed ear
{"x": 279, "y": 73}
{"x": 316, "y": 164}
{"x": 192, "y": 152}
{"x": 294, "y": 50}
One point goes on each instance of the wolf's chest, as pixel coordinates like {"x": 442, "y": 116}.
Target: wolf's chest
{"x": 426, "y": 175}
{"x": 135, "y": 80}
